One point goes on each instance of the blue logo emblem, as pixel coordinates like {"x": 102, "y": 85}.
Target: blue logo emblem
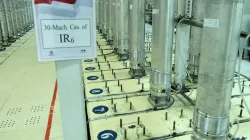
{"x": 90, "y": 68}
{"x": 92, "y": 78}
{"x": 96, "y": 91}
{"x": 235, "y": 75}
{"x": 107, "y": 135}
{"x": 100, "y": 109}
{"x": 88, "y": 60}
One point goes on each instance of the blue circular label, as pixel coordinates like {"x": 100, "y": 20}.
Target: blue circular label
{"x": 107, "y": 135}
{"x": 100, "y": 109}
{"x": 90, "y": 68}
{"x": 88, "y": 60}
{"x": 92, "y": 78}
{"x": 96, "y": 91}
{"x": 235, "y": 75}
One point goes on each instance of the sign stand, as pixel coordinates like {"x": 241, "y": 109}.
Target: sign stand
{"x": 66, "y": 33}
{"x": 71, "y": 98}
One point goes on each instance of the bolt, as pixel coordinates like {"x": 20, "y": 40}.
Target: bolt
{"x": 112, "y": 101}
{"x": 181, "y": 113}
{"x": 166, "y": 116}
{"x": 112, "y": 71}
{"x": 103, "y": 76}
{"x": 118, "y": 82}
{"x": 106, "y": 84}
{"x": 108, "y": 90}
{"x": 130, "y": 106}
{"x": 115, "y": 110}
{"x": 120, "y": 123}
{"x": 109, "y": 66}
{"x": 139, "y": 81}
{"x": 242, "y": 90}
{"x": 114, "y": 76}
{"x": 125, "y": 134}
{"x": 144, "y": 131}
{"x": 138, "y": 121}
{"x": 174, "y": 125}
{"x": 126, "y": 98}
{"x": 99, "y": 65}
{"x": 190, "y": 123}
{"x": 121, "y": 88}
{"x": 241, "y": 113}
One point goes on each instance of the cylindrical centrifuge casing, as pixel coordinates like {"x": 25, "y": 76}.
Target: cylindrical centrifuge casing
{"x": 161, "y": 57}
{"x": 13, "y": 18}
{"x": 123, "y": 33}
{"x": 137, "y": 37}
{"x": 114, "y": 29}
{"x": 8, "y": 17}
{"x": 219, "y": 47}
{"x": 109, "y": 22}
{"x": 3, "y": 22}
{"x": 104, "y": 14}
{"x": 195, "y": 40}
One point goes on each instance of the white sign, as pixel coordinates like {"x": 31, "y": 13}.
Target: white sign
{"x": 211, "y": 23}
{"x": 65, "y": 29}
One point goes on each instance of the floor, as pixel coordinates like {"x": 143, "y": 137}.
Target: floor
{"x": 29, "y": 109}
{"x": 26, "y": 93}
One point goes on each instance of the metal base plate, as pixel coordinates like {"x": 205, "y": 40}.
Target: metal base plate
{"x": 11, "y": 39}
{"x": 6, "y": 44}
{"x": 123, "y": 57}
{"x": 161, "y": 101}
{"x": 137, "y": 73}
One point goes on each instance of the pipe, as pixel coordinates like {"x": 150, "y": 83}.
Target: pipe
{"x": 220, "y": 41}
{"x": 123, "y": 37}
{"x": 192, "y": 22}
{"x": 161, "y": 68}
{"x": 109, "y": 23}
{"x": 244, "y": 34}
{"x": 195, "y": 39}
{"x": 181, "y": 48}
{"x": 188, "y": 98}
{"x": 137, "y": 37}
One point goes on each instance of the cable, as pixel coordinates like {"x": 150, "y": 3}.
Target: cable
{"x": 239, "y": 67}
{"x": 237, "y": 129}
{"x": 191, "y": 80}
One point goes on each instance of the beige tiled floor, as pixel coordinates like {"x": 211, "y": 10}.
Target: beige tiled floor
{"x": 26, "y": 86}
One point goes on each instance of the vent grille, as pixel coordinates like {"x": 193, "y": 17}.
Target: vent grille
{"x": 33, "y": 120}
{"x": 13, "y": 111}
{"x": 7, "y": 124}
{"x": 37, "y": 108}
